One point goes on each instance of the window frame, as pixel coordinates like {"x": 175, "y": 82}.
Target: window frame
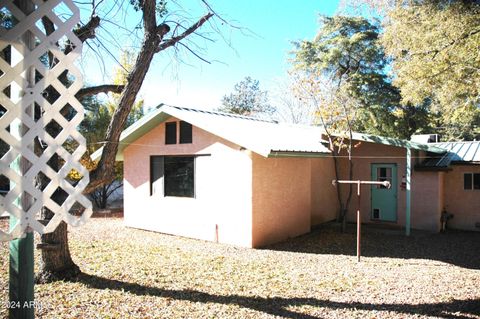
{"x": 382, "y": 178}
{"x": 473, "y": 181}
{"x": 178, "y": 132}
{"x": 170, "y": 128}
{"x": 162, "y": 190}
{"x": 156, "y": 175}
{"x": 165, "y": 176}
{"x": 186, "y": 137}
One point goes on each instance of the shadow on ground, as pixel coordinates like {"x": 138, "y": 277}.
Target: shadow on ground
{"x": 278, "y": 306}
{"x": 460, "y": 248}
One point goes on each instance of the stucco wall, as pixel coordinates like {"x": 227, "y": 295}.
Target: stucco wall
{"x": 463, "y": 204}
{"x": 281, "y": 198}
{"x": 223, "y": 183}
{"x": 324, "y": 195}
{"x": 427, "y": 200}
{"x": 426, "y": 187}
{"x": 364, "y": 155}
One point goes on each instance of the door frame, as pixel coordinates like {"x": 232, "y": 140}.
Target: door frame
{"x": 394, "y": 189}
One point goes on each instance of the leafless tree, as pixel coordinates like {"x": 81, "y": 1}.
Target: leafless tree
{"x": 158, "y": 29}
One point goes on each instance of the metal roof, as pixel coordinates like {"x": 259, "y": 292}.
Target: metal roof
{"x": 427, "y": 147}
{"x": 264, "y": 137}
{"x": 456, "y": 153}
{"x": 267, "y": 138}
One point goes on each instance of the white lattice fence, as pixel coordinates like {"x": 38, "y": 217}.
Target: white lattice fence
{"x": 34, "y": 91}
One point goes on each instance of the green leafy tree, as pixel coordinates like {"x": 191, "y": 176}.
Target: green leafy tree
{"x": 460, "y": 123}
{"x": 247, "y": 99}
{"x": 434, "y": 45}
{"x": 435, "y": 58}
{"x": 347, "y": 51}
{"x": 342, "y": 72}
{"x": 435, "y": 51}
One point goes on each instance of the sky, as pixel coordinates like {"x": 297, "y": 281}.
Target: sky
{"x": 259, "y": 50}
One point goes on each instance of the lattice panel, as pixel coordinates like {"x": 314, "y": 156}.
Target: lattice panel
{"x": 38, "y": 83}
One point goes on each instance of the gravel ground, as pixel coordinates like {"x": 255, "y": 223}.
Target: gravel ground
{"x": 130, "y": 273}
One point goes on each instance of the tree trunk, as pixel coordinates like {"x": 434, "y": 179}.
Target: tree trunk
{"x": 56, "y": 262}
{"x": 339, "y": 192}
{"x": 343, "y": 205}
{"x": 152, "y": 44}
{"x": 349, "y": 197}
{"x": 100, "y": 196}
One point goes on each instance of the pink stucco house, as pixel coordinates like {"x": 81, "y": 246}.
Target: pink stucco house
{"x": 250, "y": 182}
{"x": 445, "y": 177}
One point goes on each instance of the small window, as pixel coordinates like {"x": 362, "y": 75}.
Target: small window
{"x": 467, "y": 181}
{"x": 471, "y": 181}
{"x": 171, "y": 133}
{"x": 185, "y": 132}
{"x": 156, "y": 175}
{"x": 476, "y": 181}
{"x": 384, "y": 174}
{"x": 172, "y": 176}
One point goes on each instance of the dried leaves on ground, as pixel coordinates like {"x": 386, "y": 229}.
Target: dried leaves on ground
{"x": 129, "y": 273}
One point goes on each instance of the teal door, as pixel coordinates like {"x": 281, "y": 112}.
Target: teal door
{"x": 384, "y": 200}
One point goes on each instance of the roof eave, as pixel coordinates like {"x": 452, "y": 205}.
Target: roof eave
{"x": 285, "y": 154}
{"x": 397, "y": 143}
{"x": 422, "y": 168}
{"x": 466, "y": 163}
{"x": 134, "y": 132}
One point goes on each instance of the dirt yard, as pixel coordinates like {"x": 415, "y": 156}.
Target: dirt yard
{"x": 131, "y": 273}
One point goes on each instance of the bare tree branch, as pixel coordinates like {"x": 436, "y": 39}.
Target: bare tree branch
{"x": 87, "y": 31}
{"x": 84, "y": 32}
{"x": 194, "y": 53}
{"x": 152, "y": 43}
{"x": 93, "y": 90}
{"x": 174, "y": 40}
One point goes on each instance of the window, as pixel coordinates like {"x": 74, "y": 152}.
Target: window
{"x": 171, "y": 133}
{"x": 384, "y": 174}
{"x": 471, "y": 181}
{"x": 179, "y": 176}
{"x": 156, "y": 175}
{"x": 185, "y": 132}
{"x": 172, "y": 176}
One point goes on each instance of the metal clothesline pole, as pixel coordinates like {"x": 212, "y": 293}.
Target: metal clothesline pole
{"x": 359, "y": 183}
{"x": 25, "y": 199}
{"x": 21, "y": 263}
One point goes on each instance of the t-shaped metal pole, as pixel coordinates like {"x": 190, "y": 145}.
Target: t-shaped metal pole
{"x": 359, "y": 183}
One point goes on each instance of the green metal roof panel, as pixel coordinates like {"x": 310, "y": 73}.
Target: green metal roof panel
{"x": 462, "y": 151}
{"x": 257, "y": 135}
{"x": 398, "y": 143}
{"x": 263, "y": 137}
{"x": 455, "y": 152}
